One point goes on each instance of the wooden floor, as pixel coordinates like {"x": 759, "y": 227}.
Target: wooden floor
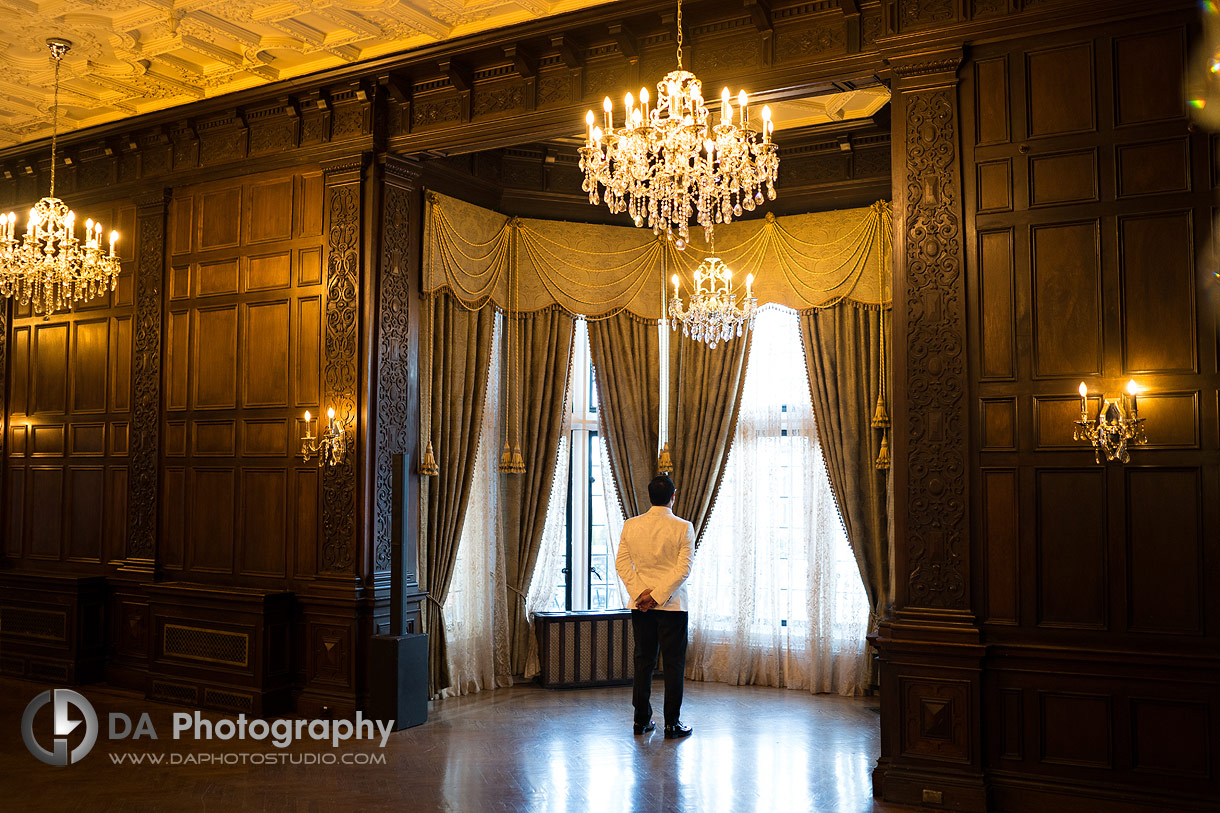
{"x": 522, "y": 748}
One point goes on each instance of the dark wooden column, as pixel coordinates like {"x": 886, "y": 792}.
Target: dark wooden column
{"x": 143, "y": 517}
{"x": 340, "y": 370}
{"x": 929, "y": 646}
{"x": 396, "y": 394}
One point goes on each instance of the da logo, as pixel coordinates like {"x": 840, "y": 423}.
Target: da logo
{"x": 62, "y": 699}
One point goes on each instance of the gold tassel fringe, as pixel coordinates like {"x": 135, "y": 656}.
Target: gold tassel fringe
{"x": 427, "y": 466}
{"x": 517, "y": 463}
{"x": 881, "y": 418}
{"x": 883, "y": 457}
{"x": 665, "y": 464}
{"x": 506, "y": 460}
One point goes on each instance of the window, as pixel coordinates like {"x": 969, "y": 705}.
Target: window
{"x": 775, "y": 591}
{"x": 586, "y": 579}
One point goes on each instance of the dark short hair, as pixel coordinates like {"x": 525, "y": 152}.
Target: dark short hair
{"x": 661, "y": 490}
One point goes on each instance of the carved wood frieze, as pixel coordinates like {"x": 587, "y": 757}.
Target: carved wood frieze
{"x": 146, "y": 377}
{"x": 936, "y": 412}
{"x": 393, "y": 346}
{"x": 341, "y": 366}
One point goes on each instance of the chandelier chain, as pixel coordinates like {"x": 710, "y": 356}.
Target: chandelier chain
{"x": 58, "y": 54}
{"x": 679, "y": 34}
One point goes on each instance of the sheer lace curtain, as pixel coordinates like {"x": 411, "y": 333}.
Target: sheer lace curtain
{"x": 553, "y": 550}
{"x": 476, "y": 616}
{"x": 614, "y": 525}
{"x": 776, "y": 595}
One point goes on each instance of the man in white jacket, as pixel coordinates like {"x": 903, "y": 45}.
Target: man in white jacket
{"x": 654, "y": 561}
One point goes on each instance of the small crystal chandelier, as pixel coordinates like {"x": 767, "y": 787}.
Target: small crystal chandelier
{"x": 50, "y": 267}
{"x": 670, "y": 161}
{"x": 714, "y": 314}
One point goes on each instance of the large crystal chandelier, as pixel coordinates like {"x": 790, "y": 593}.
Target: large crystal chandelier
{"x": 671, "y": 160}
{"x": 49, "y": 266}
{"x": 714, "y": 314}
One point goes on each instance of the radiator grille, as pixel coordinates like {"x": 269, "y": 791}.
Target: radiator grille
{"x": 212, "y": 646}
{"x": 584, "y": 650}
{"x": 55, "y": 672}
{"x": 51, "y": 625}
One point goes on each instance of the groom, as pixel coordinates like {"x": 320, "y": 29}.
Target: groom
{"x": 654, "y": 561}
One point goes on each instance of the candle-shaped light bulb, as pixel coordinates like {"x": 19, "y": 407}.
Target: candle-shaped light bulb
{"x": 307, "y": 418}
{"x": 749, "y": 286}
{"x": 726, "y": 109}
{"x": 637, "y": 117}
{"x": 1084, "y": 399}
{"x": 767, "y": 126}
{"x": 597, "y": 135}
{"x": 674, "y": 280}
{"x": 589, "y": 125}
{"x": 741, "y": 102}
{"x": 607, "y": 107}
{"x": 114, "y": 238}
{"x": 330, "y": 414}
{"x": 1134, "y": 390}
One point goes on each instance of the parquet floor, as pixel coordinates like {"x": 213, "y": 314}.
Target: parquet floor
{"x": 517, "y": 749}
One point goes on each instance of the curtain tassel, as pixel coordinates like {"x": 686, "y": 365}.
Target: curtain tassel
{"x": 516, "y": 464}
{"x": 427, "y": 466}
{"x": 881, "y": 417}
{"x": 506, "y": 460}
{"x": 883, "y": 457}
{"x": 665, "y": 464}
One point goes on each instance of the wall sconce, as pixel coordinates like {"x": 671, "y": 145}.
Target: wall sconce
{"x": 1117, "y": 424}
{"x": 329, "y": 446}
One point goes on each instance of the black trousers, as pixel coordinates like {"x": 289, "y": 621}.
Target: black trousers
{"x": 666, "y": 630}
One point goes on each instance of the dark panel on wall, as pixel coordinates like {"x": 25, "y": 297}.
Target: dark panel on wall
{"x": 1060, "y": 90}
{"x": 1066, "y": 177}
{"x": 1171, "y": 738}
{"x": 1164, "y": 551}
{"x": 1072, "y": 548}
{"x": 1159, "y": 331}
{"x": 991, "y": 101}
{"x": 997, "y": 334}
{"x": 1076, "y": 729}
{"x": 1067, "y": 299}
{"x": 1149, "y": 71}
{"x": 1001, "y": 521}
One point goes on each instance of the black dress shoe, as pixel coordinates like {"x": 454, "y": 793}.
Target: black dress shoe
{"x": 644, "y": 729}
{"x": 677, "y": 730}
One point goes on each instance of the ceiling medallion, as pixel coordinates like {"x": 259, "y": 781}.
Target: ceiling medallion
{"x": 49, "y": 267}
{"x": 670, "y": 161}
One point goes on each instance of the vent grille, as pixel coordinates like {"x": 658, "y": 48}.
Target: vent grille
{"x": 582, "y": 651}
{"x": 211, "y": 646}
{"x": 228, "y": 700}
{"x": 51, "y": 625}
{"x": 56, "y": 672}
{"x": 174, "y": 692}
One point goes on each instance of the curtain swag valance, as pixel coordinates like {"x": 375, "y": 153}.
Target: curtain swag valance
{"x": 803, "y": 262}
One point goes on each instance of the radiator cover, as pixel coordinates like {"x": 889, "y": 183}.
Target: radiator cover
{"x": 591, "y": 648}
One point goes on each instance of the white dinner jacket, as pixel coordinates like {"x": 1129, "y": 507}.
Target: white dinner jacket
{"x": 655, "y": 551}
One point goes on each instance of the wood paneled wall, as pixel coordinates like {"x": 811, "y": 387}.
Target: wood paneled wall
{"x": 69, "y": 421}
{"x": 1089, "y": 202}
{"x": 243, "y": 359}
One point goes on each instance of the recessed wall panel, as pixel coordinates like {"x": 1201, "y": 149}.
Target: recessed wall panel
{"x": 1067, "y": 299}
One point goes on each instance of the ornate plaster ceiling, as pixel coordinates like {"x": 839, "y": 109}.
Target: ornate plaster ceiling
{"x": 135, "y": 56}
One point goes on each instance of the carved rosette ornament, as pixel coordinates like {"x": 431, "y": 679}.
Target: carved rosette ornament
{"x": 935, "y": 359}
{"x": 340, "y": 369}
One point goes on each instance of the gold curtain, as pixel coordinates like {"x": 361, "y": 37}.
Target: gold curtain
{"x": 457, "y": 383}
{"x": 595, "y": 271}
{"x": 626, "y": 352}
{"x": 843, "y": 356}
{"x": 545, "y": 357}
{"x": 705, "y": 388}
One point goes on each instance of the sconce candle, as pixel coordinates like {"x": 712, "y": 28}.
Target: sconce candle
{"x": 328, "y": 446}
{"x": 1116, "y": 426}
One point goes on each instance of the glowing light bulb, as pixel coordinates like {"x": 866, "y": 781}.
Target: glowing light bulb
{"x": 307, "y": 417}
{"x": 1132, "y": 387}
